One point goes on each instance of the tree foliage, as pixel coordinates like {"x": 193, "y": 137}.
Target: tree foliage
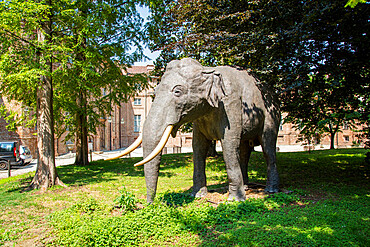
{"x": 103, "y": 39}
{"x": 353, "y": 3}
{"x": 314, "y": 53}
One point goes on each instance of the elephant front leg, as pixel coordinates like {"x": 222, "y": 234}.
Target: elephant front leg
{"x": 200, "y": 149}
{"x": 234, "y": 172}
{"x": 245, "y": 154}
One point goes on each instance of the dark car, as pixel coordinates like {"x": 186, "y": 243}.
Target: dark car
{"x": 9, "y": 151}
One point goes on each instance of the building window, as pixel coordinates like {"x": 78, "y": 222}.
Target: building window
{"x": 138, "y": 87}
{"x": 346, "y": 138}
{"x": 345, "y": 126}
{"x": 137, "y": 123}
{"x": 137, "y": 101}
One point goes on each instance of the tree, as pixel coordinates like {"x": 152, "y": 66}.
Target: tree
{"x": 284, "y": 43}
{"x": 66, "y": 54}
{"x": 27, "y": 47}
{"x": 315, "y": 108}
{"x": 101, "y": 37}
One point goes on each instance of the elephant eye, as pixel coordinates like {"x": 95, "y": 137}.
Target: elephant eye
{"x": 178, "y": 91}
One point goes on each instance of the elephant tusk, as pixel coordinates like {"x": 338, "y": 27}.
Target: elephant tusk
{"x": 159, "y": 147}
{"x": 131, "y": 148}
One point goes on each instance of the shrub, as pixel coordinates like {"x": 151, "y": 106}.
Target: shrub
{"x": 126, "y": 201}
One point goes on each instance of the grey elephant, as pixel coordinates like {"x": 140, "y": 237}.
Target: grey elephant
{"x": 225, "y": 104}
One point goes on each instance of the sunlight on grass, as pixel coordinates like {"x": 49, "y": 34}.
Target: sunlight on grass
{"x": 326, "y": 230}
{"x": 359, "y": 155}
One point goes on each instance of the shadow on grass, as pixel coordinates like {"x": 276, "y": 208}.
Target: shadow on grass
{"x": 343, "y": 166}
{"x": 23, "y": 185}
{"x": 295, "y": 169}
{"x": 176, "y": 199}
{"x": 183, "y": 198}
{"x": 99, "y": 171}
{"x": 14, "y": 192}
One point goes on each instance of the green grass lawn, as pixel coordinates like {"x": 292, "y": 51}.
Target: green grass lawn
{"x": 104, "y": 205}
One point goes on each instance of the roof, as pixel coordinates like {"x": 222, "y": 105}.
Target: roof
{"x": 140, "y": 69}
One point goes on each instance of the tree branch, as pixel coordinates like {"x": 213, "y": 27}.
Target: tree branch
{"x": 20, "y": 38}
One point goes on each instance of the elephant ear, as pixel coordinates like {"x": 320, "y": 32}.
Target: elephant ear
{"x": 215, "y": 88}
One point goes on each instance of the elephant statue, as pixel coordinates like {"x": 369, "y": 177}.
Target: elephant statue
{"x": 224, "y": 103}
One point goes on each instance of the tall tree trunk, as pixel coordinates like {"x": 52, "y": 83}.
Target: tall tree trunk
{"x": 332, "y": 140}
{"x": 82, "y": 147}
{"x": 46, "y": 174}
{"x": 309, "y": 144}
{"x": 333, "y": 131}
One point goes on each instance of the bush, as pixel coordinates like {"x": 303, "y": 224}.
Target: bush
{"x": 126, "y": 201}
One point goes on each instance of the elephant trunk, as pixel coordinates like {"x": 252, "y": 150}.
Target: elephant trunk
{"x": 151, "y": 171}
{"x": 153, "y": 141}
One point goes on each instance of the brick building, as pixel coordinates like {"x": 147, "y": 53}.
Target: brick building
{"x": 345, "y": 138}
{"x": 123, "y": 126}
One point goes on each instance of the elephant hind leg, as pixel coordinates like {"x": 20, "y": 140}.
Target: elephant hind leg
{"x": 268, "y": 143}
{"x": 231, "y": 152}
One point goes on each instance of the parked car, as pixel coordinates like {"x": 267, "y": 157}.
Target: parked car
{"x": 25, "y": 155}
{"x": 9, "y": 151}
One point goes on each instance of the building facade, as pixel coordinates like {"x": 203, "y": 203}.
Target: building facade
{"x": 346, "y": 137}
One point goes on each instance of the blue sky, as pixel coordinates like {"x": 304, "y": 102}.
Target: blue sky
{"x": 144, "y": 12}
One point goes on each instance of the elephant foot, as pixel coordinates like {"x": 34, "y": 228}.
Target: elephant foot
{"x": 238, "y": 196}
{"x": 232, "y": 198}
{"x": 272, "y": 189}
{"x": 202, "y": 192}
